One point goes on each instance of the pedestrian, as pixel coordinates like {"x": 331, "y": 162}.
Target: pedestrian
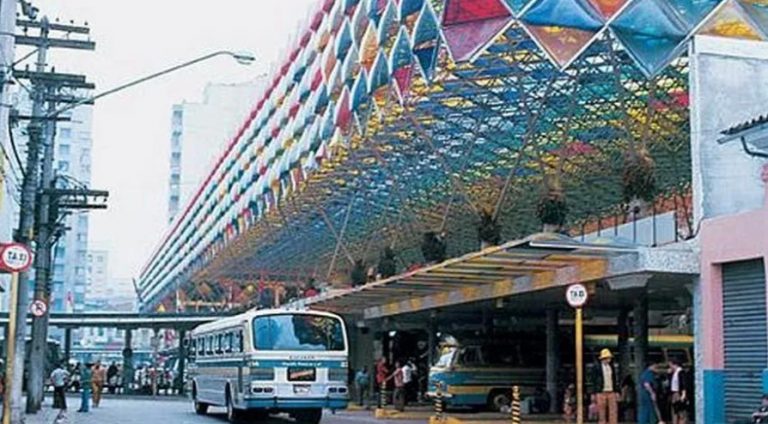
{"x": 606, "y": 386}
{"x": 648, "y": 411}
{"x": 407, "y": 381}
{"x": 628, "y": 402}
{"x": 761, "y": 415}
{"x": 382, "y": 372}
{"x": 59, "y": 381}
{"x": 398, "y": 398}
{"x": 362, "y": 384}
{"x": 677, "y": 387}
{"x": 112, "y": 378}
{"x": 85, "y": 387}
{"x": 98, "y": 375}
{"x": 569, "y": 403}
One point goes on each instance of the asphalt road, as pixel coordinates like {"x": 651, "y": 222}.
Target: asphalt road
{"x": 165, "y": 411}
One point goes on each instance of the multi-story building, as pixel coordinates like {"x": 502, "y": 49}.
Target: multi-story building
{"x": 72, "y": 167}
{"x": 198, "y": 130}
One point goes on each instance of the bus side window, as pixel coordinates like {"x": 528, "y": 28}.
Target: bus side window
{"x": 200, "y": 346}
{"x": 209, "y": 346}
{"x": 228, "y": 342}
{"x": 219, "y": 344}
{"x": 239, "y": 341}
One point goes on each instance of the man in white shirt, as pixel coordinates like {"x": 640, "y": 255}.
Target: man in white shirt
{"x": 59, "y": 380}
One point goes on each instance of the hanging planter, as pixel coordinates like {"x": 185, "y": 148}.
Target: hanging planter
{"x": 552, "y": 209}
{"x": 639, "y": 180}
{"x": 358, "y": 275}
{"x": 489, "y": 230}
{"x": 387, "y": 264}
{"x": 433, "y": 247}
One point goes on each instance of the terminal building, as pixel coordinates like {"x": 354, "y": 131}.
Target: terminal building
{"x": 450, "y": 171}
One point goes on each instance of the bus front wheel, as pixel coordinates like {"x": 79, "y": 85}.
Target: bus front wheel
{"x": 309, "y": 416}
{"x": 498, "y": 400}
{"x": 200, "y": 407}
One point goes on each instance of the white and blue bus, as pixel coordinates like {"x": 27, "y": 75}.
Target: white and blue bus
{"x": 271, "y": 361}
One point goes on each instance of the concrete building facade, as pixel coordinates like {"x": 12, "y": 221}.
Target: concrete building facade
{"x": 198, "y": 131}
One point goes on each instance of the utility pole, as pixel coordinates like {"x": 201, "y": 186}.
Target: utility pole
{"x": 15, "y": 358}
{"x": 41, "y": 132}
{"x": 47, "y": 215}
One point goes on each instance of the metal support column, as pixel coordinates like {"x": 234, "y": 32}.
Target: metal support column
{"x": 67, "y": 345}
{"x": 553, "y": 359}
{"x": 128, "y": 362}
{"x": 432, "y": 341}
{"x": 624, "y": 352}
{"x": 182, "y": 363}
{"x": 640, "y": 333}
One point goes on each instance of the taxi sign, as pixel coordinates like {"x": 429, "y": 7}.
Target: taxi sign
{"x": 15, "y": 257}
{"x": 576, "y": 295}
{"x": 38, "y": 308}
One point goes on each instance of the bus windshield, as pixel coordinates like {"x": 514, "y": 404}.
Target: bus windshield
{"x": 299, "y": 332}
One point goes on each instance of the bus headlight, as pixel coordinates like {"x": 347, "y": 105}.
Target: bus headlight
{"x": 262, "y": 374}
{"x": 337, "y": 374}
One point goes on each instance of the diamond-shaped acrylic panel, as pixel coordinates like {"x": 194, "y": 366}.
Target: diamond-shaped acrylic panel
{"x": 757, "y": 10}
{"x": 516, "y": 6}
{"x": 426, "y": 41}
{"x": 561, "y": 44}
{"x": 652, "y": 33}
{"x": 693, "y": 11}
{"x": 608, "y": 8}
{"x": 578, "y": 14}
{"x": 470, "y": 25}
{"x": 731, "y": 20}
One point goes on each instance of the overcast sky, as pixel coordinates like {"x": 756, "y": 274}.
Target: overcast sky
{"x": 132, "y": 130}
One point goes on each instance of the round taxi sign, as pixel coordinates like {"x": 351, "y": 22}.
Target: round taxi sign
{"x": 576, "y": 295}
{"x": 38, "y": 308}
{"x": 15, "y": 257}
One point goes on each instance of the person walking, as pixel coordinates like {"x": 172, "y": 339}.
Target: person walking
{"x": 382, "y": 372}
{"x": 85, "y": 387}
{"x": 677, "y": 387}
{"x": 60, "y": 380}
{"x": 98, "y": 376}
{"x": 398, "y": 398}
{"x": 112, "y": 378}
{"x": 606, "y": 386}
{"x": 362, "y": 383}
{"x": 648, "y": 411}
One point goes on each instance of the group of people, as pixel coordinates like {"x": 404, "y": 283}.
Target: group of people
{"x": 91, "y": 380}
{"x": 647, "y": 401}
{"x": 403, "y": 379}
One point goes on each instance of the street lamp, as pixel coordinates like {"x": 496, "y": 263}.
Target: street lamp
{"x": 13, "y": 396}
{"x": 243, "y": 58}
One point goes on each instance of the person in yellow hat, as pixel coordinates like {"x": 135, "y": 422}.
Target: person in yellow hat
{"x": 606, "y": 387}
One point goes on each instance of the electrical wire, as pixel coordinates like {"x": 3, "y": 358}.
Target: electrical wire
{"x": 15, "y": 150}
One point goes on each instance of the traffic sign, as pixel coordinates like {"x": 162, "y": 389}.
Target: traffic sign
{"x": 15, "y": 257}
{"x": 38, "y": 308}
{"x": 576, "y": 295}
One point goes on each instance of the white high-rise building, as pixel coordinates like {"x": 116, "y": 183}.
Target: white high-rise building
{"x": 198, "y": 131}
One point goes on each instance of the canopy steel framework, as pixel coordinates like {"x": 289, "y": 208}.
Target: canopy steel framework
{"x": 395, "y": 117}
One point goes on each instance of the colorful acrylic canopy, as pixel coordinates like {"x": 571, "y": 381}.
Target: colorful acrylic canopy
{"x": 392, "y": 118}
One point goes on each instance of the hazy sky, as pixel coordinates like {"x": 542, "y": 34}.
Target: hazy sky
{"x": 132, "y": 130}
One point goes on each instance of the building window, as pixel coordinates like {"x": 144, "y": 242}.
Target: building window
{"x": 65, "y": 133}
{"x": 64, "y": 166}
{"x": 64, "y": 149}
{"x": 61, "y": 251}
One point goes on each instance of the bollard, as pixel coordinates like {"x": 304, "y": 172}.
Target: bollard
{"x": 382, "y": 395}
{"x": 515, "y": 405}
{"x": 439, "y": 405}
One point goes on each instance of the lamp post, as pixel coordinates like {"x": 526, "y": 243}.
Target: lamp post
{"x": 40, "y": 324}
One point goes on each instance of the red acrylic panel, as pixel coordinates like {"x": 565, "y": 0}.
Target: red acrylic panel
{"x": 465, "y": 11}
